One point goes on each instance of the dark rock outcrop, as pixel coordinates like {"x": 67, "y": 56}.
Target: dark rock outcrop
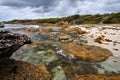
{"x": 10, "y": 42}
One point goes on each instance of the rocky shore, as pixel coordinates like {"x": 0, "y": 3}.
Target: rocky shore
{"x": 18, "y": 70}
{"x": 57, "y": 53}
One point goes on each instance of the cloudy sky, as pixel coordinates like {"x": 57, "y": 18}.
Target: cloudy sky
{"x": 33, "y": 9}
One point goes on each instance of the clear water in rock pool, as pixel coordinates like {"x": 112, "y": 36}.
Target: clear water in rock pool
{"x": 47, "y": 53}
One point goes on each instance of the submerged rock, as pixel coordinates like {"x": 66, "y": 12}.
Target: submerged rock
{"x": 32, "y": 30}
{"x": 49, "y": 30}
{"x": 10, "y": 42}
{"x": 38, "y": 52}
{"x": 71, "y": 69}
{"x": 18, "y": 70}
{"x": 97, "y": 77}
{"x": 58, "y": 73}
{"x": 39, "y": 31}
{"x": 86, "y": 52}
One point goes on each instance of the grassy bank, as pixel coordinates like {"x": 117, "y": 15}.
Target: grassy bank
{"x": 113, "y": 18}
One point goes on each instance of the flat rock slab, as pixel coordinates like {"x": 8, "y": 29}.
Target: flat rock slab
{"x": 18, "y": 70}
{"x": 86, "y": 52}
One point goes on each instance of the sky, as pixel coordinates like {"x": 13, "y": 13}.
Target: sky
{"x": 34, "y": 9}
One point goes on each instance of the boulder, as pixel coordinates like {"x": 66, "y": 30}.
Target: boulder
{"x": 86, "y": 52}
{"x": 10, "y": 42}
{"x": 18, "y": 70}
{"x": 58, "y": 73}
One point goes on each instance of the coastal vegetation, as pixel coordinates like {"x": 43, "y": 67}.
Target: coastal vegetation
{"x": 113, "y": 18}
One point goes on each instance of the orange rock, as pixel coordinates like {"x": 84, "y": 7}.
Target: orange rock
{"x": 86, "y": 52}
{"x": 49, "y": 30}
{"x": 18, "y": 70}
{"x": 75, "y": 30}
{"x": 101, "y": 39}
{"x": 63, "y": 23}
{"x": 63, "y": 37}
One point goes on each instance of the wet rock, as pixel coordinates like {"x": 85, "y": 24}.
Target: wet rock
{"x": 63, "y": 23}
{"x": 38, "y": 31}
{"x": 38, "y": 52}
{"x": 10, "y": 42}
{"x": 32, "y": 30}
{"x": 72, "y": 69}
{"x": 116, "y": 49}
{"x": 1, "y": 25}
{"x": 75, "y": 31}
{"x": 58, "y": 73}
{"x": 18, "y": 70}
{"x": 101, "y": 39}
{"x": 97, "y": 77}
{"x": 115, "y": 42}
{"x": 63, "y": 37}
{"x": 86, "y": 52}
{"x": 63, "y": 27}
{"x": 49, "y": 30}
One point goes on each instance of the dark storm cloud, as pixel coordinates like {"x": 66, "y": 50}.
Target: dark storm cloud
{"x": 28, "y": 3}
{"x": 26, "y": 9}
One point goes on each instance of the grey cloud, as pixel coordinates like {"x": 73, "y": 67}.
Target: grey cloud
{"x": 28, "y": 3}
{"x": 26, "y": 9}
{"x": 41, "y": 10}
